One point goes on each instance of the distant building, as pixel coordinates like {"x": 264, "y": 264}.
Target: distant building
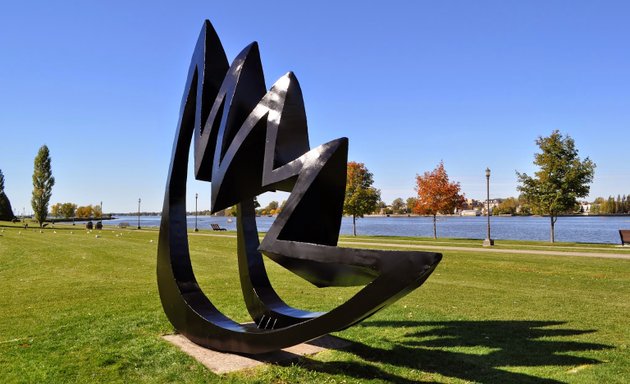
{"x": 472, "y": 204}
{"x": 585, "y": 207}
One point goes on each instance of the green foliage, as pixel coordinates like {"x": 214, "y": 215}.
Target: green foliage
{"x": 398, "y": 206}
{"x": 6, "y": 212}
{"x": 610, "y": 206}
{"x": 43, "y": 182}
{"x": 361, "y": 197}
{"x": 562, "y": 177}
{"x": 508, "y": 206}
{"x": 65, "y": 210}
{"x": 68, "y": 209}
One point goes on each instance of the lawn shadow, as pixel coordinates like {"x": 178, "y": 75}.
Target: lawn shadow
{"x": 477, "y": 351}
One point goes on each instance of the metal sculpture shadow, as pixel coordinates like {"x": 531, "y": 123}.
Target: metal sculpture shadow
{"x": 248, "y": 141}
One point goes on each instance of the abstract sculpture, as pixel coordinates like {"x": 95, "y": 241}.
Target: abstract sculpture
{"x": 247, "y": 141}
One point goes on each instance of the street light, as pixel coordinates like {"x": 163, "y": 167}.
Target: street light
{"x": 139, "y": 212}
{"x": 196, "y": 196}
{"x": 488, "y": 242}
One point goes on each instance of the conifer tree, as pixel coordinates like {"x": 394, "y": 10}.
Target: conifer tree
{"x": 43, "y": 182}
{"x": 6, "y": 212}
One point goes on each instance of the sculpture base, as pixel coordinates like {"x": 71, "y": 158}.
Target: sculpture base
{"x": 488, "y": 243}
{"x": 220, "y": 362}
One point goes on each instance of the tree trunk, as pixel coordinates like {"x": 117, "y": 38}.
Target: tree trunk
{"x": 354, "y": 225}
{"x": 553, "y": 222}
{"x": 434, "y": 227}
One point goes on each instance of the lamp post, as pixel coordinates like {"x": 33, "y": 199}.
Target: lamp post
{"x": 196, "y": 196}
{"x": 488, "y": 242}
{"x": 102, "y": 210}
{"x": 139, "y": 212}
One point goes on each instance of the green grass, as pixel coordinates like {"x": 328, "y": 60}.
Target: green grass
{"x": 77, "y": 308}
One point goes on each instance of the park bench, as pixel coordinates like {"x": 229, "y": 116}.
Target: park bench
{"x": 216, "y": 227}
{"x": 625, "y": 236}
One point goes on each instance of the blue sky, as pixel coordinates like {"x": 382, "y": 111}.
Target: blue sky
{"x": 410, "y": 83}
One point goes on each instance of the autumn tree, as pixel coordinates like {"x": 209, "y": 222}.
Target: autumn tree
{"x": 562, "y": 178}
{"x": 6, "y": 212}
{"x": 361, "y": 197}
{"x": 43, "y": 182}
{"x": 436, "y": 194}
{"x": 84, "y": 212}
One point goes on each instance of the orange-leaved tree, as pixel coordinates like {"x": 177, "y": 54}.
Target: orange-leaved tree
{"x": 361, "y": 198}
{"x": 436, "y": 194}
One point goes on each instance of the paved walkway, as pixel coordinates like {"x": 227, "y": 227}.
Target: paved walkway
{"x": 494, "y": 250}
{"x": 447, "y": 248}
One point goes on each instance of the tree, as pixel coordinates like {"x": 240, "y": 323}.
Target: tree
{"x": 55, "y": 210}
{"x": 436, "y": 194}
{"x": 67, "y": 210}
{"x": 506, "y": 207}
{"x": 411, "y": 203}
{"x": 97, "y": 212}
{"x": 361, "y": 198}
{"x": 270, "y": 209}
{"x": 6, "y": 212}
{"x": 597, "y": 205}
{"x": 85, "y": 212}
{"x": 398, "y": 206}
{"x": 562, "y": 178}
{"x": 43, "y": 182}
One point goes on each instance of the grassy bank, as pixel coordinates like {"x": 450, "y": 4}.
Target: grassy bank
{"x": 80, "y": 308}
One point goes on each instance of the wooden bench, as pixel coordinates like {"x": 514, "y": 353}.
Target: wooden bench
{"x": 625, "y": 236}
{"x": 215, "y": 227}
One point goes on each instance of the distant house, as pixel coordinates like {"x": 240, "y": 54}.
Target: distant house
{"x": 470, "y": 212}
{"x": 472, "y": 204}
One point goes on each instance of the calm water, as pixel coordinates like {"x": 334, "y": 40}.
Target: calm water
{"x": 589, "y": 229}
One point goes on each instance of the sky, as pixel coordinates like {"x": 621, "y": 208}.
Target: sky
{"x": 410, "y": 83}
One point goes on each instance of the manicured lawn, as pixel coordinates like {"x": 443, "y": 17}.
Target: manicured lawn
{"x": 77, "y": 308}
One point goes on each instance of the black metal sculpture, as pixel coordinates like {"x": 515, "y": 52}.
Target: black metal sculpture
{"x": 248, "y": 141}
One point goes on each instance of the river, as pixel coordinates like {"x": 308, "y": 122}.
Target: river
{"x": 586, "y": 229}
